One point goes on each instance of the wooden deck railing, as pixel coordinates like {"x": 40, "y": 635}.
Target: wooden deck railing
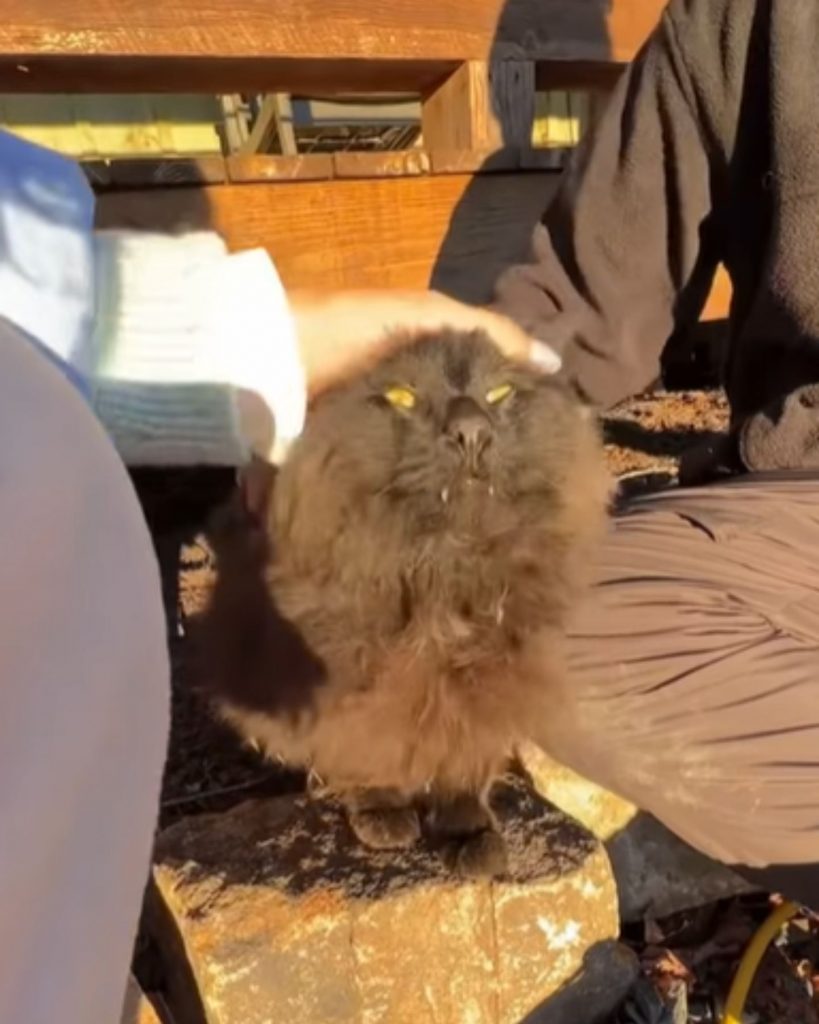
{"x": 452, "y": 212}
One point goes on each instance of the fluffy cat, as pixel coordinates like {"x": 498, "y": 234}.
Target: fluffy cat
{"x": 392, "y": 619}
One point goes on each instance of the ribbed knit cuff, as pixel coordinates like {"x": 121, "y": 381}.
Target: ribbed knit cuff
{"x": 184, "y": 332}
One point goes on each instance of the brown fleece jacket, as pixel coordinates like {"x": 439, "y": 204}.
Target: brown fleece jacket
{"x": 708, "y": 152}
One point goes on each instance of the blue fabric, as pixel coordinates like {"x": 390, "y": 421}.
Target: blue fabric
{"x": 46, "y": 252}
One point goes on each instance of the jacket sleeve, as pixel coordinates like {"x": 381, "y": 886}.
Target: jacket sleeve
{"x": 626, "y": 252}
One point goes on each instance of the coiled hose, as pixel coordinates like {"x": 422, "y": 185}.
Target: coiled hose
{"x": 751, "y": 958}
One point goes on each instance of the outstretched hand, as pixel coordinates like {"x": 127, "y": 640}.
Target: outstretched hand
{"x": 344, "y": 332}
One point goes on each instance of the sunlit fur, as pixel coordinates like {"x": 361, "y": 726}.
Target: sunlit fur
{"x": 396, "y": 623}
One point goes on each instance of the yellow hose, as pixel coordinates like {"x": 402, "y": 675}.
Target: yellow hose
{"x": 744, "y": 977}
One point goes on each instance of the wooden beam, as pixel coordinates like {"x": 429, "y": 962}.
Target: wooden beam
{"x": 577, "y": 75}
{"x": 482, "y": 105}
{"x": 264, "y": 167}
{"x": 112, "y": 45}
{"x": 305, "y": 76}
{"x": 141, "y": 172}
{"x": 274, "y": 122}
{"x": 456, "y": 232}
{"x": 233, "y": 124}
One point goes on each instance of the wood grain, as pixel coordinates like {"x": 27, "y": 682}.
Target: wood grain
{"x": 483, "y": 105}
{"x": 457, "y": 115}
{"x": 455, "y": 231}
{"x": 492, "y": 161}
{"x": 141, "y": 172}
{"x": 391, "y": 164}
{"x": 107, "y": 44}
{"x": 264, "y": 167}
{"x": 274, "y": 122}
{"x": 82, "y": 73}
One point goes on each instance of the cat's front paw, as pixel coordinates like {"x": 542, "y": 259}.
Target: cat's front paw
{"x": 480, "y": 855}
{"x": 387, "y": 828}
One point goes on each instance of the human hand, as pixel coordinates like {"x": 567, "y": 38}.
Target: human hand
{"x": 341, "y": 333}
{"x": 344, "y": 332}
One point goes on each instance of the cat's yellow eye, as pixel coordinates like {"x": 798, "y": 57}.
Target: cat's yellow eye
{"x": 401, "y": 398}
{"x": 499, "y": 393}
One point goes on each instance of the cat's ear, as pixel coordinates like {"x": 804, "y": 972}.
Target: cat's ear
{"x": 256, "y": 481}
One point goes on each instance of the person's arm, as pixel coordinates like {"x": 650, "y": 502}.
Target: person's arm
{"x": 342, "y": 332}
{"x": 627, "y": 250}
{"x": 200, "y": 356}
{"x": 189, "y": 355}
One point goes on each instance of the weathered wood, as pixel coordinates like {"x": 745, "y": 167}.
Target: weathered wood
{"x": 512, "y": 99}
{"x": 481, "y": 106}
{"x": 457, "y": 115}
{"x": 391, "y": 164}
{"x": 489, "y": 161}
{"x": 84, "y": 73}
{"x": 233, "y": 124}
{"x": 306, "y": 167}
{"x": 473, "y": 161}
{"x": 578, "y": 75}
{"x": 273, "y": 122}
{"x": 142, "y": 171}
{"x": 109, "y": 45}
{"x": 454, "y": 231}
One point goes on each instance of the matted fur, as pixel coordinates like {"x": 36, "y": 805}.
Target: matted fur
{"x": 392, "y": 623}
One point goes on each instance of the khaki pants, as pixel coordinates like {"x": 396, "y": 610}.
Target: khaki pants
{"x": 694, "y": 689}
{"x": 84, "y": 702}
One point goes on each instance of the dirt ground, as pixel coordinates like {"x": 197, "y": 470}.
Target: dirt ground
{"x": 692, "y": 957}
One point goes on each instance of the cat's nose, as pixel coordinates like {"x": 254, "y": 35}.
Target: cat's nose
{"x": 469, "y": 427}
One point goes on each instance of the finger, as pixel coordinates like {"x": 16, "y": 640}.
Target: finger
{"x": 544, "y": 357}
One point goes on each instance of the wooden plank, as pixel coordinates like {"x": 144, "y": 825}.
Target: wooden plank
{"x": 274, "y": 122}
{"x": 109, "y": 127}
{"x": 455, "y": 232}
{"x": 493, "y": 161}
{"x": 577, "y": 75}
{"x": 397, "y": 163}
{"x": 125, "y": 38}
{"x": 457, "y": 115}
{"x": 483, "y": 105}
{"x": 142, "y": 172}
{"x": 84, "y": 73}
{"x": 233, "y": 122}
{"x": 306, "y": 167}
{"x": 512, "y": 99}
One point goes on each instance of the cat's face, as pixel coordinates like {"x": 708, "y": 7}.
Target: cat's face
{"x": 447, "y": 429}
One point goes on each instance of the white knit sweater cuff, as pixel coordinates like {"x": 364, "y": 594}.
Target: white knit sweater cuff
{"x": 183, "y": 331}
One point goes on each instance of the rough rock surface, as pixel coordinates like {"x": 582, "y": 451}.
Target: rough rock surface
{"x": 657, "y": 874}
{"x": 273, "y": 912}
